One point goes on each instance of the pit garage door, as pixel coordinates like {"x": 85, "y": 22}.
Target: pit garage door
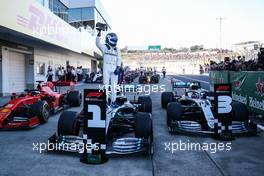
{"x": 17, "y": 72}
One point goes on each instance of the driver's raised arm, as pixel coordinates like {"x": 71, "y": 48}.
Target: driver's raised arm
{"x": 98, "y": 42}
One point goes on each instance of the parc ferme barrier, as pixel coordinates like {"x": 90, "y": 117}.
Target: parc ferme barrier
{"x": 247, "y": 87}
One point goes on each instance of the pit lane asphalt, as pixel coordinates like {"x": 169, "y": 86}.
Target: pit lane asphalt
{"x": 18, "y": 158}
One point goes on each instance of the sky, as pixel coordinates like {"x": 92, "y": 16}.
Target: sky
{"x": 184, "y": 23}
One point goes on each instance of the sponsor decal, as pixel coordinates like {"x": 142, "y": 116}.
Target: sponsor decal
{"x": 220, "y": 79}
{"x": 4, "y": 110}
{"x": 240, "y": 98}
{"x": 41, "y": 24}
{"x": 238, "y": 85}
{"x": 223, "y": 88}
{"x": 259, "y": 86}
{"x": 9, "y": 106}
{"x": 94, "y": 95}
{"x": 254, "y": 103}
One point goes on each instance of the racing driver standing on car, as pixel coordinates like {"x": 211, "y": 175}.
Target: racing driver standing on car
{"x": 111, "y": 63}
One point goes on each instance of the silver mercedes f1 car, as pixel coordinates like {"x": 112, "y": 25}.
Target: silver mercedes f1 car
{"x": 127, "y": 129}
{"x": 191, "y": 109}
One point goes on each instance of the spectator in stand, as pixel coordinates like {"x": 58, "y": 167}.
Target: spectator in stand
{"x": 240, "y": 64}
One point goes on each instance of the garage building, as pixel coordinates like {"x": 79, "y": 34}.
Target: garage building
{"x": 36, "y": 36}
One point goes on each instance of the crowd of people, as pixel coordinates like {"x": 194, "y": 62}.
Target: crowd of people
{"x": 182, "y": 55}
{"x": 240, "y": 64}
{"x": 69, "y": 74}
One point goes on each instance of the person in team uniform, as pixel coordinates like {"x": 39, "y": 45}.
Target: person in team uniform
{"x": 164, "y": 72}
{"x": 50, "y": 74}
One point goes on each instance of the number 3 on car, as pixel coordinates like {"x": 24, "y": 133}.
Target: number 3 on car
{"x": 224, "y": 104}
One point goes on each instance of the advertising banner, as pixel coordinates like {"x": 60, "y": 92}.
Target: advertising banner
{"x": 218, "y": 77}
{"x": 34, "y": 20}
{"x": 247, "y": 87}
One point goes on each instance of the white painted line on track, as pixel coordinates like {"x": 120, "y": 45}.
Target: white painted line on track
{"x": 260, "y": 127}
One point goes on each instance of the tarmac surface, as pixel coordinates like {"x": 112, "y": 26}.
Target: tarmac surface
{"x": 245, "y": 157}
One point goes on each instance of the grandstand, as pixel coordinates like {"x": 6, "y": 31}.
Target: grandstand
{"x": 174, "y": 62}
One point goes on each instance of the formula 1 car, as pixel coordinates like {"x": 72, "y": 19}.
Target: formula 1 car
{"x": 194, "y": 111}
{"x": 130, "y": 77}
{"x": 34, "y": 106}
{"x": 94, "y": 78}
{"x": 128, "y": 128}
{"x": 149, "y": 78}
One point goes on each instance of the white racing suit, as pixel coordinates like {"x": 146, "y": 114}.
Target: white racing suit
{"x": 112, "y": 59}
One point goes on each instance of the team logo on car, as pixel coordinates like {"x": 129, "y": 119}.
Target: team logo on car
{"x": 94, "y": 95}
{"x": 223, "y": 88}
{"x": 259, "y": 86}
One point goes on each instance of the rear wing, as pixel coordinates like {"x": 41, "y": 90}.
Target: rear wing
{"x": 184, "y": 85}
{"x": 63, "y": 83}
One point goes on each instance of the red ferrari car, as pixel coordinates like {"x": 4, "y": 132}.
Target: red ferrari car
{"x": 33, "y": 108}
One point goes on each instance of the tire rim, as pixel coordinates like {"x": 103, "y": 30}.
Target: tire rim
{"x": 45, "y": 112}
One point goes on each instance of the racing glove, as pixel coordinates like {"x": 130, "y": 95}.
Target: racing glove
{"x": 99, "y": 33}
{"x": 117, "y": 70}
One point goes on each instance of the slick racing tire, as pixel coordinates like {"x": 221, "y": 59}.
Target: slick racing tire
{"x": 145, "y": 104}
{"x": 166, "y": 98}
{"x": 144, "y": 129}
{"x": 174, "y": 112}
{"x": 75, "y": 98}
{"x": 41, "y": 110}
{"x": 239, "y": 112}
{"x": 67, "y": 123}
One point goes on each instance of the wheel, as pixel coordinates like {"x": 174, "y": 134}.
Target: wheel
{"x": 146, "y": 104}
{"x": 41, "y": 110}
{"x": 67, "y": 123}
{"x": 144, "y": 129}
{"x": 239, "y": 112}
{"x": 75, "y": 98}
{"x": 166, "y": 97}
{"x": 174, "y": 112}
